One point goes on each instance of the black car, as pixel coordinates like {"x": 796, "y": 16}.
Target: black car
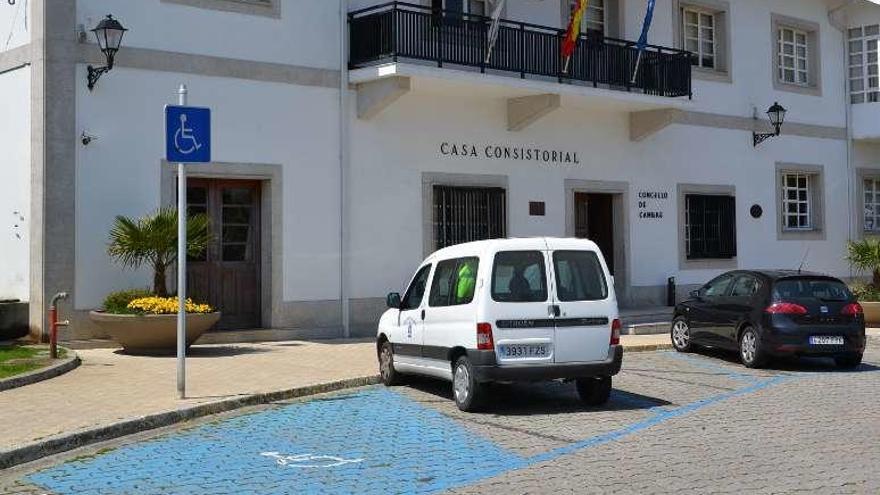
{"x": 769, "y": 313}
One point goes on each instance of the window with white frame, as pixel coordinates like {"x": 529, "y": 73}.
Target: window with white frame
{"x": 593, "y": 20}
{"x": 797, "y": 201}
{"x": 864, "y": 71}
{"x": 793, "y": 56}
{"x": 872, "y": 204}
{"x": 699, "y": 36}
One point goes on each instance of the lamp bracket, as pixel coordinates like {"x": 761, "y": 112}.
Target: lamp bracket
{"x": 95, "y": 73}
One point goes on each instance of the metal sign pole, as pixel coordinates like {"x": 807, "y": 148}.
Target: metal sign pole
{"x": 181, "y": 267}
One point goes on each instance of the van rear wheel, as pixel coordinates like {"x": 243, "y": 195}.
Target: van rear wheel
{"x": 594, "y": 391}
{"x": 466, "y": 390}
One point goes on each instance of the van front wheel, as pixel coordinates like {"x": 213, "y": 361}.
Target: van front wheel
{"x": 466, "y": 390}
{"x": 389, "y": 375}
{"x": 594, "y": 391}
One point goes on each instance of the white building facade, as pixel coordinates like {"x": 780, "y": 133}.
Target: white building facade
{"x": 352, "y": 138}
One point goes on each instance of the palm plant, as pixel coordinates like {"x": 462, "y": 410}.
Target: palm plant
{"x": 864, "y": 256}
{"x": 152, "y": 239}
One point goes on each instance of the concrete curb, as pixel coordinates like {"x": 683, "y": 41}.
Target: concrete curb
{"x": 68, "y": 364}
{"x": 647, "y": 348}
{"x": 65, "y": 442}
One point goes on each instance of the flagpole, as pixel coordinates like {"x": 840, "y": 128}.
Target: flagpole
{"x": 636, "y": 72}
{"x": 567, "y": 61}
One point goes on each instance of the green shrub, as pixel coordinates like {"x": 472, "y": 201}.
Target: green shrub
{"x": 117, "y": 302}
{"x": 866, "y": 292}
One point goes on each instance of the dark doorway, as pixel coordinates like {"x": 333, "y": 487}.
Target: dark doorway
{"x": 227, "y": 275}
{"x": 594, "y": 220}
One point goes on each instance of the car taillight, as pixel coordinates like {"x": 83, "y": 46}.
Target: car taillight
{"x": 484, "y": 337}
{"x": 853, "y": 309}
{"x": 786, "y": 308}
{"x": 615, "y": 332}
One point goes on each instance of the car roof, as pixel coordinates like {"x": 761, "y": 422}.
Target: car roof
{"x": 775, "y": 274}
{"x": 514, "y": 244}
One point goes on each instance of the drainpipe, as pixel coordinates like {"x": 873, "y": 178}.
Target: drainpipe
{"x": 343, "y": 168}
{"x": 839, "y": 22}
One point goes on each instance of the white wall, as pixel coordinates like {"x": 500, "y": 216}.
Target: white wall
{"x": 15, "y": 184}
{"x": 391, "y": 152}
{"x": 270, "y": 123}
{"x": 306, "y": 34}
{"x": 15, "y": 24}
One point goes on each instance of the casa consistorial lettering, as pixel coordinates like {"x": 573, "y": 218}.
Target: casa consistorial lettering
{"x": 510, "y": 152}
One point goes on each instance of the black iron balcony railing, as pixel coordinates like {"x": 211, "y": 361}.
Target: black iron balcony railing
{"x": 399, "y": 31}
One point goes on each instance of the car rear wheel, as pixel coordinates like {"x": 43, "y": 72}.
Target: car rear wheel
{"x": 750, "y": 351}
{"x": 681, "y": 335}
{"x": 594, "y": 391}
{"x": 848, "y": 362}
{"x": 389, "y": 375}
{"x": 466, "y": 390}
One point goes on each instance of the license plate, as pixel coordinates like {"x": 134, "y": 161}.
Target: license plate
{"x": 524, "y": 351}
{"x": 826, "y": 340}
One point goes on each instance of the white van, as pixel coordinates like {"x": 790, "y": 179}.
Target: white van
{"x": 506, "y": 310}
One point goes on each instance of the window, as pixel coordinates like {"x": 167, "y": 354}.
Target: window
{"x": 710, "y": 226}
{"x": 745, "y": 286}
{"x": 596, "y": 19}
{"x": 269, "y": 8}
{"x": 864, "y": 73}
{"x": 800, "y": 204}
{"x": 796, "y": 62}
{"x": 699, "y": 36}
{"x": 872, "y": 204}
{"x": 793, "y": 55}
{"x": 416, "y": 291}
{"x": 579, "y": 276}
{"x": 519, "y": 276}
{"x": 718, "y": 287}
{"x": 464, "y": 214}
{"x": 796, "y": 202}
{"x": 454, "y": 283}
{"x": 827, "y": 290}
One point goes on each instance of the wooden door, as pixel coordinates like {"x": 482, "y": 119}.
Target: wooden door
{"x": 594, "y": 220}
{"x": 227, "y": 275}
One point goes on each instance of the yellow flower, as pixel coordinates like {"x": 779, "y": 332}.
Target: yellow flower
{"x": 166, "y": 305}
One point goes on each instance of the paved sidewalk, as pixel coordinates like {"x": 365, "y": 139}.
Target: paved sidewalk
{"x": 110, "y": 387}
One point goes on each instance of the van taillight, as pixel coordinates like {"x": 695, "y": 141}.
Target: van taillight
{"x": 786, "y": 308}
{"x": 615, "y": 332}
{"x": 853, "y": 309}
{"x": 484, "y": 337}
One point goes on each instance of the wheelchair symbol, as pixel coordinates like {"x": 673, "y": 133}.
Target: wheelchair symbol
{"x": 183, "y": 135}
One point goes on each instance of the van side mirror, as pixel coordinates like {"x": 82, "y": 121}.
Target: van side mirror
{"x": 696, "y": 294}
{"x": 393, "y": 300}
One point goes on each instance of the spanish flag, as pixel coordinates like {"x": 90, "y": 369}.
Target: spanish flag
{"x": 574, "y": 31}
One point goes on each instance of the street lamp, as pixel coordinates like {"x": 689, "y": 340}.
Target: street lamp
{"x": 109, "y": 34}
{"x": 777, "y": 118}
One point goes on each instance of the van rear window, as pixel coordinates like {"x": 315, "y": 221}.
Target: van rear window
{"x": 811, "y": 288}
{"x": 579, "y": 276}
{"x": 519, "y": 276}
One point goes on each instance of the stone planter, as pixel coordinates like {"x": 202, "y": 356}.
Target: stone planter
{"x": 872, "y": 313}
{"x": 152, "y": 334}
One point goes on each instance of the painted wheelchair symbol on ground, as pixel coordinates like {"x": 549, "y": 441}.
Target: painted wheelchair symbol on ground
{"x": 374, "y": 441}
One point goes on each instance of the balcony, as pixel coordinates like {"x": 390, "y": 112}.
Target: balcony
{"x": 385, "y": 38}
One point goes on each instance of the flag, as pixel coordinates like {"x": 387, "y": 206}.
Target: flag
{"x": 574, "y": 31}
{"x": 495, "y": 28}
{"x": 643, "y": 39}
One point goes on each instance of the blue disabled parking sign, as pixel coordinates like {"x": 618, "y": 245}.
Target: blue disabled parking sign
{"x": 187, "y": 134}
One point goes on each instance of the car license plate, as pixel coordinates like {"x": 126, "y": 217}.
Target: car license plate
{"x": 524, "y": 351}
{"x": 826, "y": 340}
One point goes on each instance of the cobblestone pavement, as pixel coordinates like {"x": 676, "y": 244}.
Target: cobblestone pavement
{"x": 696, "y": 423}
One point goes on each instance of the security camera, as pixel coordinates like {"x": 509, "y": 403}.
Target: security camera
{"x": 87, "y": 138}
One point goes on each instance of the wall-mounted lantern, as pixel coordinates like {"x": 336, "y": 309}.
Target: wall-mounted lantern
{"x": 777, "y": 118}
{"x": 109, "y": 33}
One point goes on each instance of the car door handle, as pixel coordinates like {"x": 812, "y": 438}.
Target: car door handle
{"x": 554, "y": 310}
{"x": 423, "y": 315}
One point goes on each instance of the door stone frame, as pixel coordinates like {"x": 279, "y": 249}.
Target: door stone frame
{"x": 619, "y": 190}
{"x": 271, "y": 225}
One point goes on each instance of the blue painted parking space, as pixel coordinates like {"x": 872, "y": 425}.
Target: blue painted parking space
{"x": 374, "y": 441}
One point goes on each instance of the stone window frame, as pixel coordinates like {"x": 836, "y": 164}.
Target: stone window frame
{"x": 267, "y": 8}
{"x": 814, "y": 54}
{"x": 817, "y": 202}
{"x": 683, "y": 190}
{"x": 723, "y": 71}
